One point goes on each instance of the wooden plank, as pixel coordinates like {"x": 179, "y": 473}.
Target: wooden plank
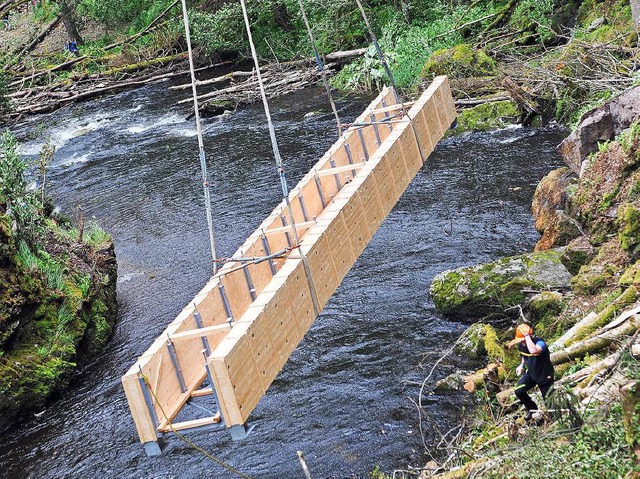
{"x": 340, "y": 169}
{"x": 202, "y": 422}
{"x": 202, "y": 392}
{"x": 393, "y": 108}
{"x": 200, "y": 333}
{"x": 142, "y": 419}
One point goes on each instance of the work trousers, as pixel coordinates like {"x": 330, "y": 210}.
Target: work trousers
{"x": 525, "y": 384}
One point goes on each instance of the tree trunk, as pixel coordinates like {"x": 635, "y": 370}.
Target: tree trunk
{"x": 635, "y": 12}
{"x": 66, "y": 9}
{"x": 630, "y": 396}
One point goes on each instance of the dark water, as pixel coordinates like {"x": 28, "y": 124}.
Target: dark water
{"x": 345, "y": 397}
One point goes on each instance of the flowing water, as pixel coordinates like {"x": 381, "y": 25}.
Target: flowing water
{"x": 346, "y": 396}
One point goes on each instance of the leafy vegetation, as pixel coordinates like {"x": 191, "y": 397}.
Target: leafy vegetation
{"x": 56, "y": 304}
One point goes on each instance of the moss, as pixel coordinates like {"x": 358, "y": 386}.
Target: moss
{"x": 543, "y": 309}
{"x": 631, "y": 275}
{"x": 588, "y": 282}
{"x": 488, "y": 116}
{"x": 628, "y": 219}
{"x": 577, "y": 254}
{"x": 492, "y": 345}
{"x": 478, "y": 291}
{"x": 460, "y": 61}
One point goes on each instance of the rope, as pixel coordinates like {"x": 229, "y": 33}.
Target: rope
{"x": 279, "y": 163}
{"x": 187, "y": 441}
{"x": 321, "y": 67}
{"x": 203, "y": 160}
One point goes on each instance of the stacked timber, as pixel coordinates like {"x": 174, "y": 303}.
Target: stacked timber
{"x": 242, "y": 327}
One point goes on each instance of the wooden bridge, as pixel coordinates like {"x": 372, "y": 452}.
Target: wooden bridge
{"x": 239, "y": 331}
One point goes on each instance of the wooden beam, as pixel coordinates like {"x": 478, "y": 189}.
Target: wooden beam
{"x": 340, "y": 169}
{"x": 199, "y": 333}
{"x": 181, "y": 426}
{"x": 398, "y": 106}
{"x": 287, "y": 229}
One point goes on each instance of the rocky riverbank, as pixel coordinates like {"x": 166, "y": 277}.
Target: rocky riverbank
{"x": 57, "y": 293}
{"x": 579, "y": 290}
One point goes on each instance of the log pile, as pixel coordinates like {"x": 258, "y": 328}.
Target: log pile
{"x": 239, "y": 88}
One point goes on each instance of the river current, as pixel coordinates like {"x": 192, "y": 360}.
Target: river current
{"x": 346, "y": 397}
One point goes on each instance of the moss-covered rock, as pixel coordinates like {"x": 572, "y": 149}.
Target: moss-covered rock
{"x": 58, "y": 309}
{"x": 577, "y": 253}
{"x": 471, "y": 343}
{"x": 629, "y": 228}
{"x": 549, "y": 201}
{"x": 602, "y": 271}
{"x": 478, "y": 291}
{"x": 487, "y": 116}
{"x": 460, "y": 61}
{"x": 543, "y": 306}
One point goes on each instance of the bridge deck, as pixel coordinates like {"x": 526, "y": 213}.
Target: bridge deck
{"x": 337, "y": 207}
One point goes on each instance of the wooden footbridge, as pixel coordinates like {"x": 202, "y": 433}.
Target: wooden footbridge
{"x": 233, "y": 339}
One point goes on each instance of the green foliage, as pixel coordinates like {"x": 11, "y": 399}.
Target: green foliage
{"x": 599, "y": 450}
{"x": 116, "y": 13}
{"x": 5, "y": 102}
{"x": 460, "y": 61}
{"x": 22, "y": 205}
{"x": 95, "y": 236}
{"x": 219, "y": 32}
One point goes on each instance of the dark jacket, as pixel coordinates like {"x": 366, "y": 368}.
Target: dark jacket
{"x": 539, "y": 365}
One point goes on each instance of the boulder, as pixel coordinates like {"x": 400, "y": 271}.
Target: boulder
{"x": 577, "y": 253}
{"x": 599, "y": 125}
{"x": 549, "y": 201}
{"x": 452, "y": 383}
{"x": 474, "y": 292}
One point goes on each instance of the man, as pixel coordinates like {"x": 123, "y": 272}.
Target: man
{"x": 537, "y": 361}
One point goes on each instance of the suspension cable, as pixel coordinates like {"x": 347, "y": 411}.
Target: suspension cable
{"x": 279, "y": 162}
{"x": 203, "y": 160}
{"x": 321, "y": 67}
{"x": 381, "y": 56}
{"x": 392, "y": 80}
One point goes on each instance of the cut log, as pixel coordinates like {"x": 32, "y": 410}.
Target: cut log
{"x": 596, "y": 343}
{"x": 134, "y": 67}
{"x": 604, "y": 365}
{"x": 562, "y": 341}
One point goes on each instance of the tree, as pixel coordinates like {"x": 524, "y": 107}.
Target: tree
{"x": 67, "y": 9}
{"x": 635, "y": 12}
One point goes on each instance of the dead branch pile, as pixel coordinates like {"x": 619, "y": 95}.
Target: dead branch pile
{"x": 241, "y": 87}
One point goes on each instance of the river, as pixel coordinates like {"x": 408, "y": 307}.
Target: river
{"x": 345, "y": 398}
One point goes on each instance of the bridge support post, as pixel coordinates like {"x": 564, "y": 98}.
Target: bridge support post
{"x": 154, "y": 448}
{"x": 240, "y": 431}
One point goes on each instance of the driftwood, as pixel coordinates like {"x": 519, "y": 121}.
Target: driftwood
{"x": 331, "y": 57}
{"x": 521, "y": 97}
{"x": 62, "y": 66}
{"x": 481, "y": 101}
{"x": 59, "y": 99}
